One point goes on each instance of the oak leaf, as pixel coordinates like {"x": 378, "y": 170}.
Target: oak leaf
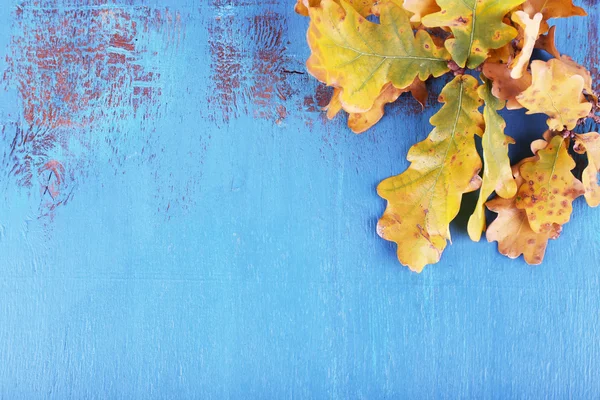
{"x": 504, "y": 86}
{"x": 556, "y": 92}
{"x": 420, "y": 8}
{"x": 511, "y": 228}
{"x": 552, "y": 9}
{"x": 549, "y": 187}
{"x": 547, "y": 43}
{"x": 364, "y": 7}
{"x": 529, "y": 30}
{"x": 574, "y": 68}
{"x": 422, "y": 201}
{"x": 361, "y": 122}
{"x": 477, "y": 26}
{"x": 590, "y": 143}
{"x": 497, "y": 174}
{"x": 361, "y": 57}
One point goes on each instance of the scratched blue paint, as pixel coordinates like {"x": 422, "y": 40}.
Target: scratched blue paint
{"x": 202, "y": 254}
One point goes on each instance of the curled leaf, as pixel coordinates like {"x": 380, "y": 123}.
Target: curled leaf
{"x": 549, "y": 187}
{"x": 556, "y": 92}
{"x": 361, "y": 122}
{"x": 497, "y": 174}
{"x": 590, "y": 143}
{"x": 477, "y": 26}
{"x": 361, "y": 57}
{"x": 426, "y": 197}
{"x": 529, "y": 30}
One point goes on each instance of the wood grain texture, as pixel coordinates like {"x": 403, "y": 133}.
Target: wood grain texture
{"x": 178, "y": 219}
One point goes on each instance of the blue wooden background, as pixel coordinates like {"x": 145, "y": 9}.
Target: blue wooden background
{"x": 179, "y": 220}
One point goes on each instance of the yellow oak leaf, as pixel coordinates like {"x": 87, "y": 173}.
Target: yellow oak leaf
{"x": 529, "y": 30}
{"x": 422, "y": 201}
{"x": 361, "y": 57}
{"x": 504, "y": 86}
{"x": 552, "y": 9}
{"x": 547, "y": 43}
{"x": 556, "y": 92}
{"x": 590, "y": 143}
{"x": 511, "y": 228}
{"x": 574, "y": 68}
{"x": 361, "y": 122}
{"x": 497, "y": 174}
{"x": 364, "y": 7}
{"x": 549, "y": 187}
{"x": 420, "y": 8}
{"x": 477, "y": 26}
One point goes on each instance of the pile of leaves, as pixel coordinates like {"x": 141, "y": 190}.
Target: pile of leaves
{"x": 371, "y": 52}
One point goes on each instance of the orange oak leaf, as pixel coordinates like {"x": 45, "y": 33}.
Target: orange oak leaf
{"x": 547, "y": 43}
{"x": 512, "y": 231}
{"x": 556, "y": 92}
{"x": 361, "y": 57}
{"x": 422, "y": 201}
{"x": 552, "y": 9}
{"x": 590, "y": 143}
{"x": 504, "y": 86}
{"x": 361, "y": 122}
{"x": 420, "y": 8}
{"x": 364, "y": 7}
{"x": 549, "y": 187}
{"x": 529, "y": 30}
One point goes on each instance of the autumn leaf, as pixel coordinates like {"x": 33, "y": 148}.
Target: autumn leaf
{"x": 477, "y": 26}
{"x": 497, "y": 174}
{"x": 547, "y": 43}
{"x": 361, "y": 57}
{"x": 574, "y": 68}
{"x": 504, "y": 86}
{"x": 549, "y": 187}
{"x": 552, "y": 9}
{"x": 590, "y": 143}
{"x": 529, "y": 30}
{"x": 512, "y": 231}
{"x": 424, "y": 199}
{"x": 556, "y": 92}
{"x": 420, "y": 8}
{"x": 363, "y": 7}
{"x": 361, "y": 122}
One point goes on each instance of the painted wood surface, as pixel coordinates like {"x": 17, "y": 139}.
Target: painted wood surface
{"x": 179, "y": 220}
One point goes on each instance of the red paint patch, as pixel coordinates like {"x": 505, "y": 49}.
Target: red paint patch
{"x": 76, "y": 68}
{"x": 247, "y": 60}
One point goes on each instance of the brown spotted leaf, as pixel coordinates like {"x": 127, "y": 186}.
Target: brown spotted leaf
{"x": 512, "y": 231}
{"x": 549, "y": 187}
{"x": 590, "y": 143}
{"x": 423, "y": 200}
{"x": 557, "y": 92}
